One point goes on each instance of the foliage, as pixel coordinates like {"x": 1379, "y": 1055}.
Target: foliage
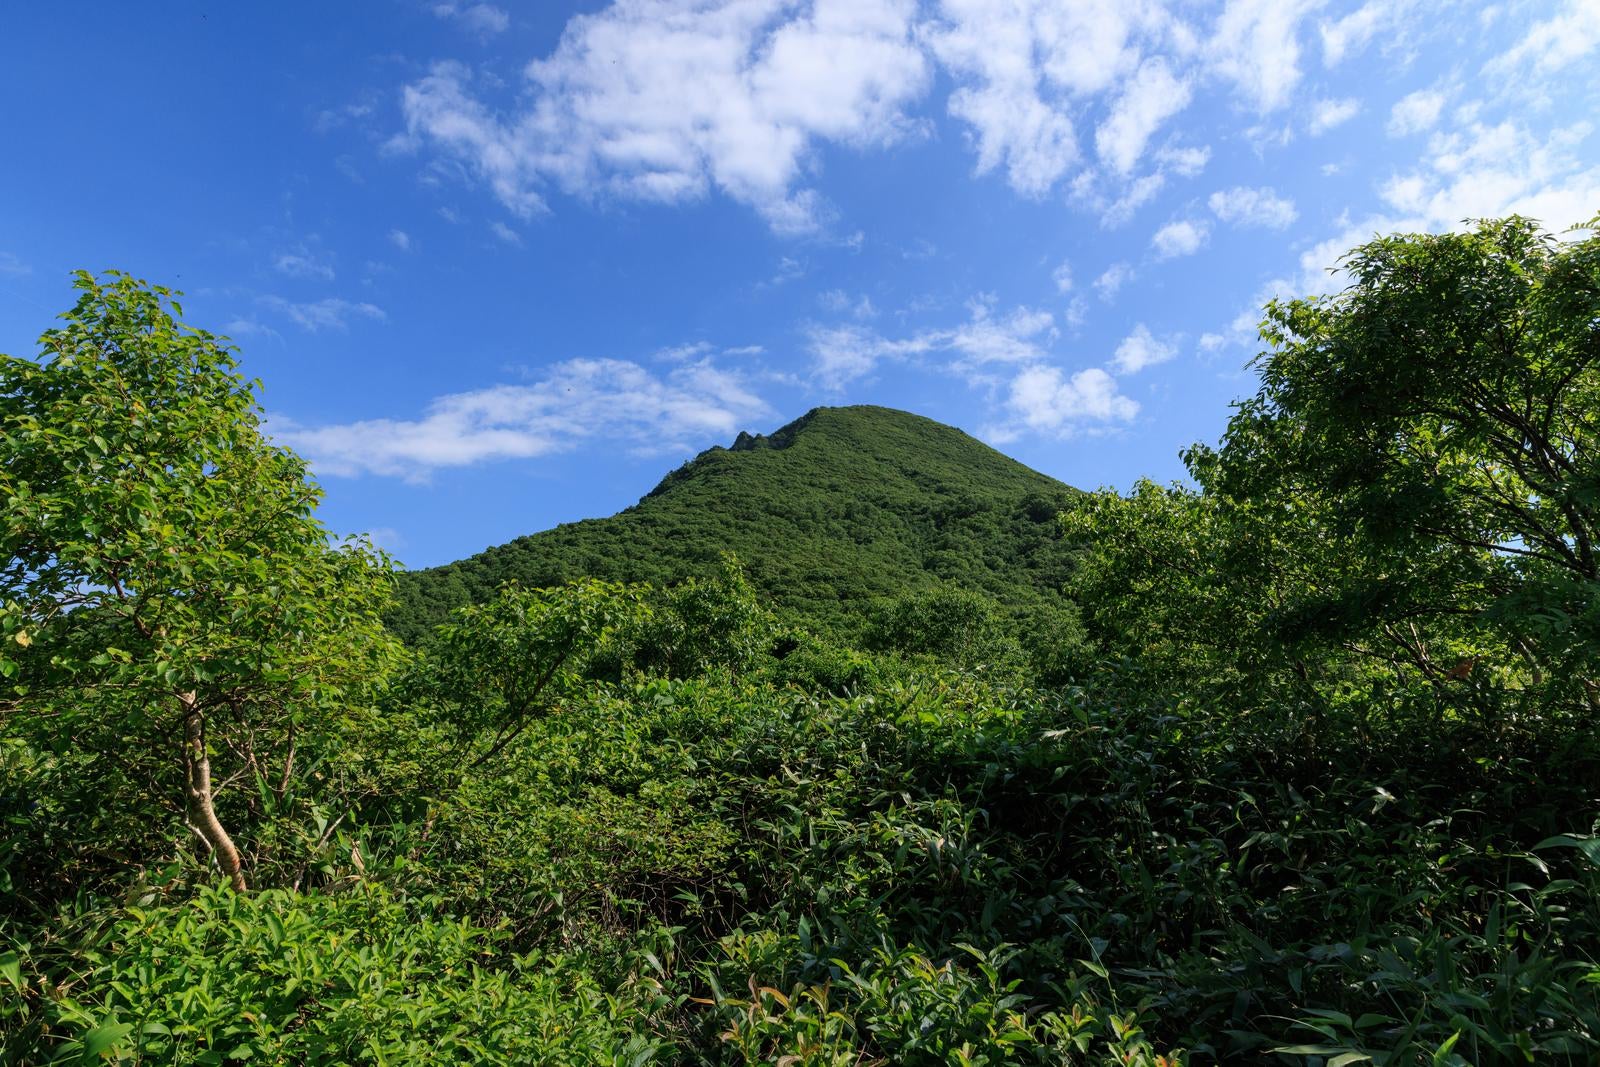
{"x": 839, "y": 509}
{"x": 700, "y": 625}
{"x": 957, "y": 625}
{"x": 1440, "y": 417}
{"x": 166, "y": 593}
{"x": 355, "y": 977}
{"x": 1225, "y": 804}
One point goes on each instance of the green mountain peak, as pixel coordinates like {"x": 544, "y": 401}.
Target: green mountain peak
{"x": 841, "y": 507}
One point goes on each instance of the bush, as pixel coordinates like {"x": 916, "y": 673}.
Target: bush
{"x": 360, "y": 976}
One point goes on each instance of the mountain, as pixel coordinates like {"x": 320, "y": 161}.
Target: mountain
{"x": 841, "y": 507}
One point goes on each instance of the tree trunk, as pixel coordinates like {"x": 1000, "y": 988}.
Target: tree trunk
{"x": 197, "y": 788}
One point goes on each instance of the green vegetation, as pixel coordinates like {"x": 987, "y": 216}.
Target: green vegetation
{"x": 838, "y": 509}
{"x": 1311, "y": 776}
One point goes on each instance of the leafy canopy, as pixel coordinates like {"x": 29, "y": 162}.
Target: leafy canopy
{"x": 162, "y": 575}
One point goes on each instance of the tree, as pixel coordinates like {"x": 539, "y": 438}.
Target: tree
{"x": 168, "y": 601}
{"x": 957, "y": 625}
{"x": 497, "y": 667}
{"x": 1441, "y": 415}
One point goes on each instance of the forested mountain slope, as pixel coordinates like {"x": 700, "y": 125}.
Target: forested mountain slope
{"x": 838, "y": 508}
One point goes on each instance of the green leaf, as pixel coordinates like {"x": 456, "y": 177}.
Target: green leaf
{"x": 101, "y": 1039}
{"x": 11, "y": 968}
{"x": 1589, "y": 846}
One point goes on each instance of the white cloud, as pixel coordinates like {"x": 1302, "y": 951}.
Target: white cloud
{"x": 1112, "y": 279}
{"x": 788, "y": 270}
{"x": 684, "y": 352}
{"x": 1326, "y": 114}
{"x": 615, "y": 402}
{"x": 1256, "y": 45}
{"x": 1014, "y": 338}
{"x": 1489, "y": 171}
{"x": 665, "y": 101}
{"x": 1415, "y": 112}
{"x": 842, "y": 354}
{"x": 505, "y": 234}
{"x": 1150, "y": 97}
{"x": 1185, "y": 162}
{"x": 248, "y": 328}
{"x": 1047, "y": 399}
{"x": 1018, "y": 64}
{"x": 332, "y": 118}
{"x": 1013, "y": 125}
{"x": 328, "y": 314}
{"x": 1346, "y": 36}
{"x": 1181, "y": 238}
{"x": 1476, "y": 171}
{"x": 1253, "y": 207}
{"x": 11, "y": 265}
{"x": 1141, "y": 349}
{"x": 386, "y": 538}
{"x": 1077, "y": 311}
{"x": 1135, "y": 195}
{"x": 1555, "y": 43}
{"x": 400, "y": 239}
{"x": 303, "y": 263}
{"x": 485, "y": 20}
{"x": 837, "y": 300}
{"x": 1062, "y": 276}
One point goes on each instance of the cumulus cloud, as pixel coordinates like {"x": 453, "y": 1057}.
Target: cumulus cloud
{"x": 1326, "y": 114}
{"x": 1256, "y": 45}
{"x": 1253, "y": 207}
{"x": 1141, "y": 349}
{"x": 331, "y": 313}
{"x": 1490, "y": 170}
{"x": 837, "y": 300}
{"x": 1062, "y": 276}
{"x": 670, "y": 101}
{"x": 1151, "y": 96}
{"x": 1112, "y": 279}
{"x": 484, "y": 20}
{"x": 1048, "y": 399}
{"x": 1181, "y": 238}
{"x": 1477, "y": 170}
{"x": 616, "y": 401}
{"x": 1553, "y": 44}
{"x": 1415, "y": 112}
{"x": 1006, "y": 354}
{"x": 1185, "y": 162}
{"x": 303, "y": 263}
{"x": 842, "y": 354}
{"x": 1349, "y": 34}
{"x": 1135, "y": 195}
{"x": 666, "y": 101}
{"x": 1017, "y": 64}
{"x": 985, "y": 338}
{"x": 400, "y": 239}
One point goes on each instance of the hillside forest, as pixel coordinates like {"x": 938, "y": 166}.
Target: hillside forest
{"x": 1292, "y": 762}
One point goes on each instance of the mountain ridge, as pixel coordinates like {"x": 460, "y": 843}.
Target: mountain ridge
{"x": 828, "y": 513}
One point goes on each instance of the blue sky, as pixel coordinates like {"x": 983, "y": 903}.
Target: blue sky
{"x": 501, "y": 266}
